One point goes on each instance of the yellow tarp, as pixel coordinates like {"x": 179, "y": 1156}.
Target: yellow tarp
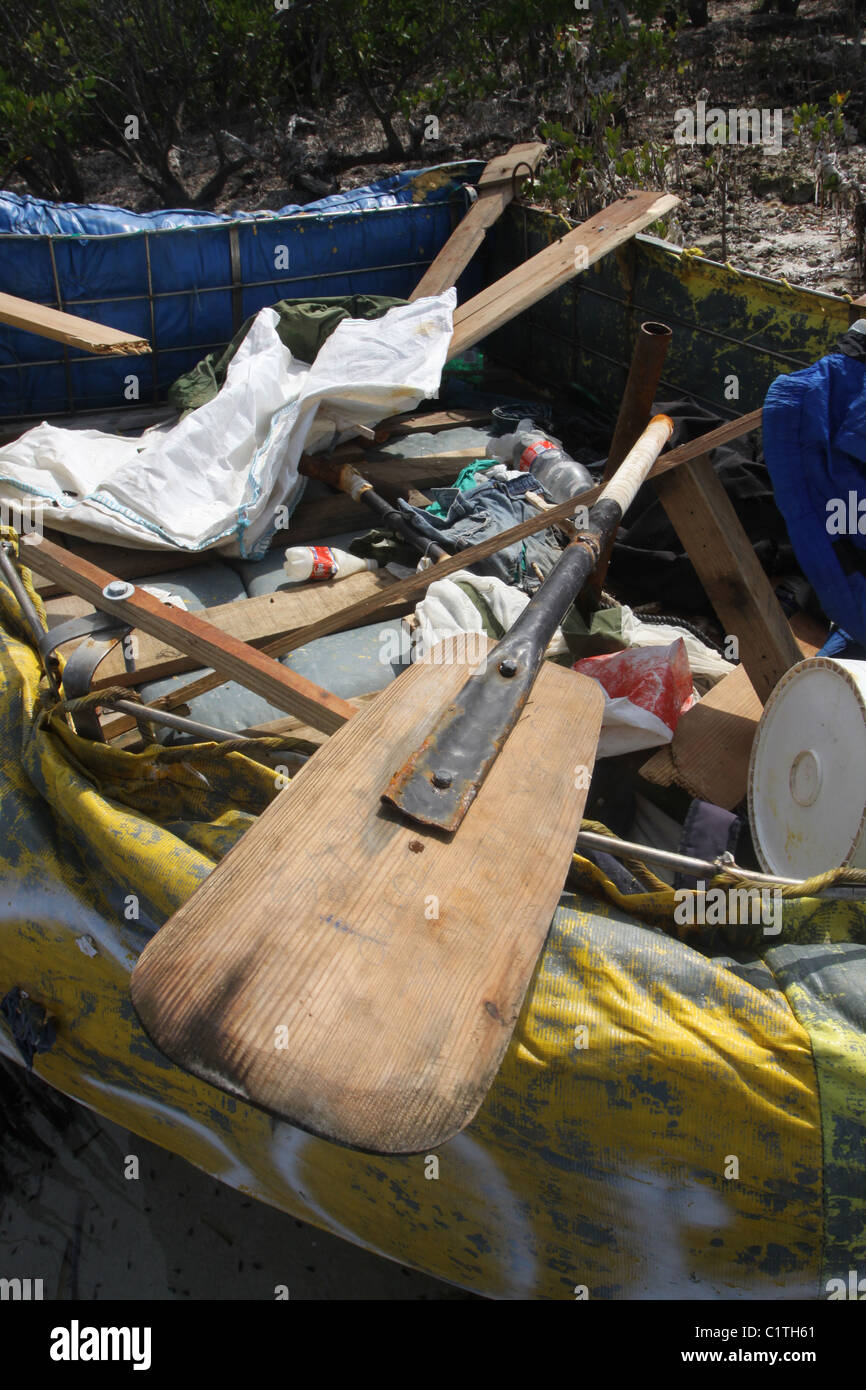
{"x": 656, "y": 1128}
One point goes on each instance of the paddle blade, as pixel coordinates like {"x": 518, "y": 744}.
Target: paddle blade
{"x": 361, "y": 977}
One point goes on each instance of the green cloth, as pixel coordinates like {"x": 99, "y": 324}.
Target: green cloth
{"x": 303, "y": 326}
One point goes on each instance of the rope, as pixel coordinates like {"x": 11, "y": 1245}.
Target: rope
{"x": 808, "y": 888}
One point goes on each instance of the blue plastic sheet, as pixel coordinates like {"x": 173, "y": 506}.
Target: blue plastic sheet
{"x": 187, "y": 280}
{"x": 814, "y": 426}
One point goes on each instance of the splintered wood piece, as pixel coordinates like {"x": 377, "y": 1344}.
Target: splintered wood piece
{"x": 429, "y": 422}
{"x": 553, "y": 267}
{"x": 360, "y": 976}
{"x": 234, "y": 660}
{"x": 69, "y": 328}
{"x": 495, "y": 192}
{"x": 711, "y": 753}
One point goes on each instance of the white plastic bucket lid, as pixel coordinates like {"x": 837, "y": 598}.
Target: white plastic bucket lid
{"x": 807, "y": 773}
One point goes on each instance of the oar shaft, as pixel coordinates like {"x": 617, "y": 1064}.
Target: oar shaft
{"x": 347, "y": 479}
{"x": 439, "y": 782}
{"x": 543, "y": 615}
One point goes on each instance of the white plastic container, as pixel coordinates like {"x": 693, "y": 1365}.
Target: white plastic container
{"x": 807, "y": 773}
{"x": 323, "y": 562}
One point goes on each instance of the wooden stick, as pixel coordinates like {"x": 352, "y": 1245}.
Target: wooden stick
{"x": 730, "y": 571}
{"x": 69, "y": 328}
{"x": 553, "y": 267}
{"x": 231, "y": 658}
{"x": 366, "y": 610}
{"x": 495, "y": 192}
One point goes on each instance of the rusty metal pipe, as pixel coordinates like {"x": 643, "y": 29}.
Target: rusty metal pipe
{"x": 650, "y": 350}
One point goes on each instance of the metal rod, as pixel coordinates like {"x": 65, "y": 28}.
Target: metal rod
{"x": 31, "y": 617}
{"x": 650, "y": 349}
{"x": 683, "y": 863}
{"x": 174, "y": 721}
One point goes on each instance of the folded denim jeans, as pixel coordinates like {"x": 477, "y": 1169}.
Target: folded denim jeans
{"x": 486, "y": 510}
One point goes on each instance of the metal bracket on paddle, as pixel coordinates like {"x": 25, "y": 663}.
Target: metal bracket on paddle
{"x": 439, "y": 782}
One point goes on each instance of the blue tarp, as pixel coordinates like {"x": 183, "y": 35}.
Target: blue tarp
{"x": 814, "y": 426}
{"x": 169, "y": 277}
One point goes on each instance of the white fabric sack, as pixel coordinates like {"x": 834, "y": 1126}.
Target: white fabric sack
{"x": 217, "y": 477}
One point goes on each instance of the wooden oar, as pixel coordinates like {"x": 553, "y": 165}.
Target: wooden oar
{"x": 361, "y": 976}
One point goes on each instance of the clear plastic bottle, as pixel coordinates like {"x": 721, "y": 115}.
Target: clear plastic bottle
{"x": 323, "y": 562}
{"x": 560, "y": 475}
{"x": 531, "y": 450}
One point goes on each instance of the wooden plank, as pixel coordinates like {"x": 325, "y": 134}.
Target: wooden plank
{"x": 709, "y": 754}
{"x": 367, "y": 609}
{"x": 729, "y": 570}
{"x": 124, "y": 562}
{"x": 553, "y": 267}
{"x": 383, "y": 948}
{"x": 255, "y": 620}
{"x": 711, "y": 760}
{"x": 429, "y": 422}
{"x": 69, "y": 328}
{"x": 495, "y": 192}
{"x": 232, "y": 659}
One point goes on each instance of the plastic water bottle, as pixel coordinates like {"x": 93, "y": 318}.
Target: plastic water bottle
{"x": 531, "y": 450}
{"x": 323, "y": 562}
{"x": 559, "y": 474}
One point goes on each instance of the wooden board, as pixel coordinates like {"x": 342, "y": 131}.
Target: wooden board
{"x": 254, "y": 620}
{"x": 233, "y": 659}
{"x": 495, "y": 192}
{"x": 122, "y": 561}
{"x": 553, "y": 267}
{"x": 710, "y": 751}
{"x": 429, "y": 422}
{"x": 126, "y": 419}
{"x": 69, "y": 328}
{"x": 394, "y": 958}
{"x": 728, "y": 568}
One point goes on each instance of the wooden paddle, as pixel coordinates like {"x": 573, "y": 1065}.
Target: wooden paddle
{"x": 361, "y": 976}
